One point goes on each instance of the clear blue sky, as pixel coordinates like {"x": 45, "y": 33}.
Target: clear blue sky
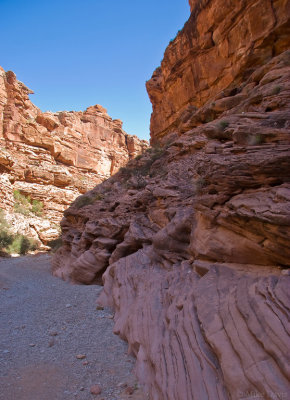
{"x": 75, "y": 53}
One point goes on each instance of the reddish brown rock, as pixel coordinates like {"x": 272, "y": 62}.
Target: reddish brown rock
{"x": 192, "y": 239}
{"x": 218, "y": 48}
{"x": 54, "y": 157}
{"x": 96, "y": 390}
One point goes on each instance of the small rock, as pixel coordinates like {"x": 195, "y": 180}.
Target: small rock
{"x": 32, "y": 344}
{"x": 129, "y": 390}
{"x": 285, "y": 272}
{"x": 85, "y": 363}
{"x": 68, "y": 305}
{"x": 80, "y": 356}
{"x": 99, "y": 308}
{"x": 122, "y": 385}
{"x": 110, "y": 316}
{"x": 53, "y": 333}
{"x": 95, "y": 390}
{"x": 82, "y": 389}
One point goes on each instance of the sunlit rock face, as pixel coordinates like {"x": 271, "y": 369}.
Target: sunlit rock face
{"x": 218, "y": 49}
{"x": 54, "y": 157}
{"x": 192, "y": 239}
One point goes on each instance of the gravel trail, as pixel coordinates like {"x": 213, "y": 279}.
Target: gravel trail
{"x": 45, "y": 324}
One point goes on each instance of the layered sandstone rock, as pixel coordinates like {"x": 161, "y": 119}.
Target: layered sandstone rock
{"x": 218, "y": 48}
{"x": 54, "y": 157}
{"x": 194, "y": 235}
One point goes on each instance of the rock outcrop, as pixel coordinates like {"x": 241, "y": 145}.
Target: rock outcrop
{"x": 212, "y": 56}
{"x": 54, "y": 157}
{"x": 192, "y": 238}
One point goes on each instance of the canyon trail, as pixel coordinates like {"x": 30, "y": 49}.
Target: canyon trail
{"x": 45, "y": 324}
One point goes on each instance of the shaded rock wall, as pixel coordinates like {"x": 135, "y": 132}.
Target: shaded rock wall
{"x": 192, "y": 238}
{"x": 54, "y": 157}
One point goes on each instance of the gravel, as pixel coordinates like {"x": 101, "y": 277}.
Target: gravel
{"x": 54, "y": 342}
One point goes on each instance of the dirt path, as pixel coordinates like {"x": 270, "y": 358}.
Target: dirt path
{"x": 45, "y": 324}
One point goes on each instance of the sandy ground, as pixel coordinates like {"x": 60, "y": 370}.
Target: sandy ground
{"x": 45, "y": 324}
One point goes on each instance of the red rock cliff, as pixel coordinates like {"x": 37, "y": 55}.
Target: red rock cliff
{"x": 54, "y": 157}
{"x": 194, "y": 236}
{"x": 218, "y": 48}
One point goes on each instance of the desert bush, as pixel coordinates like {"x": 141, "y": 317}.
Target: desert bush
{"x": 223, "y": 125}
{"x": 55, "y": 244}
{"x": 11, "y": 243}
{"x": 21, "y": 245}
{"x": 86, "y": 200}
{"x": 5, "y": 237}
{"x": 37, "y": 207}
{"x": 276, "y": 90}
{"x": 24, "y": 205}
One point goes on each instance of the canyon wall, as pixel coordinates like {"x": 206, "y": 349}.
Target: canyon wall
{"x": 54, "y": 157}
{"x": 217, "y": 50}
{"x": 192, "y": 237}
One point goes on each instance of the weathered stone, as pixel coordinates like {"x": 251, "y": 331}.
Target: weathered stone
{"x": 192, "y": 239}
{"x": 54, "y": 157}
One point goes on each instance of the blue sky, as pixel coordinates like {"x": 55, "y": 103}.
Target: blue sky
{"x": 74, "y": 54}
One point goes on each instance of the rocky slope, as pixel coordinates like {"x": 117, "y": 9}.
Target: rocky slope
{"x": 54, "y": 157}
{"x": 193, "y": 236}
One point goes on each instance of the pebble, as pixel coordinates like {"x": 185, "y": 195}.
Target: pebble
{"x": 32, "y": 344}
{"x": 85, "y": 363}
{"x": 129, "y": 390}
{"x": 96, "y": 389}
{"x": 68, "y": 305}
{"x": 122, "y": 385}
{"x": 80, "y": 356}
{"x": 99, "y": 308}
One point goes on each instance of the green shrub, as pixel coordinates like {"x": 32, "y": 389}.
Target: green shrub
{"x": 55, "y": 244}
{"x": 86, "y": 200}
{"x": 5, "y": 236}
{"x": 21, "y": 245}
{"x": 37, "y": 207}
{"x": 223, "y": 125}
{"x": 276, "y": 90}
{"x": 24, "y": 205}
{"x": 11, "y": 243}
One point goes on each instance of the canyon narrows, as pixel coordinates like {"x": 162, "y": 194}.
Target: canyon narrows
{"x": 51, "y": 158}
{"x": 193, "y": 236}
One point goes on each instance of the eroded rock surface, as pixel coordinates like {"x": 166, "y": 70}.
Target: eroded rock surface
{"x": 218, "y": 48}
{"x": 54, "y": 157}
{"x": 194, "y": 235}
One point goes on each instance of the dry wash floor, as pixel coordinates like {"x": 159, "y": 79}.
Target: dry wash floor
{"x": 45, "y": 324}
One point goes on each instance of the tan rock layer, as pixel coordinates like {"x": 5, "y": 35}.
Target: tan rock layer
{"x": 55, "y": 157}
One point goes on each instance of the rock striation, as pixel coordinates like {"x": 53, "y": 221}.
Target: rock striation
{"x": 192, "y": 237}
{"x": 54, "y": 157}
